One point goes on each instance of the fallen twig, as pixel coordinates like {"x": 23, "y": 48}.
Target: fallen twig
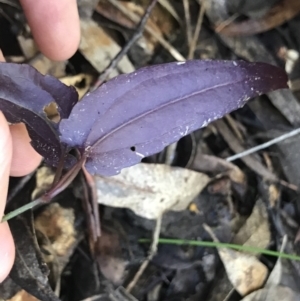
{"x": 152, "y": 252}
{"x": 187, "y": 16}
{"x": 263, "y": 145}
{"x": 137, "y": 34}
{"x": 148, "y": 29}
{"x": 194, "y": 40}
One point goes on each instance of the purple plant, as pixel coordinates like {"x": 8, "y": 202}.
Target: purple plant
{"x": 131, "y": 116}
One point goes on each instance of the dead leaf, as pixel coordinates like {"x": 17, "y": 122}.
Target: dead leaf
{"x": 220, "y": 186}
{"x": 274, "y": 196}
{"x": 256, "y": 230}
{"x": 57, "y": 238}
{"x": 46, "y": 66}
{"x": 145, "y": 46}
{"x": 106, "y": 9}
{"x": 151, "y": 189}
{"x": 57, "y": 224}
{"x": 279, "y": 284}
{"x": 86, "y": 8}
{"x": 23, "y": 296}
{"x": 220, "y": 167}
{"x": 245, "y": 271}
{"x": 160, "y": 20}
{"x": 28, "y": 47}
{"x": 99, "y": 48}
{"x": 81, "y": 82}
{"x": 44, "y": 179}
{"x": 29, "y": 270}
{"x": 215, "y": 165}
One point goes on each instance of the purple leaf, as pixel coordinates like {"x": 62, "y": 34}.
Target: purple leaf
{"x": 24, "y": 93}
{"x": 138, "y": 114}
{"x": 30, "y": 272}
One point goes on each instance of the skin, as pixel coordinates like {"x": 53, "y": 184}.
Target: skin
{"x": 55, "y": 27}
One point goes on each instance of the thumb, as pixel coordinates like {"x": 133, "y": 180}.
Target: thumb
{"x": 7, "y": 249}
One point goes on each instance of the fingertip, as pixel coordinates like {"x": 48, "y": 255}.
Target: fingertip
{"x": 2, "y": 59}
{"x": 7, "y": 251}
{"x": 24, "y": 158}
{"x": 54, "y": 25}
{"x": 5, "y": 160}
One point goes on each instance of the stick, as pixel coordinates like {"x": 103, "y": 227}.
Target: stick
{"x": 264, "y": 145}
{"x": 133, "y": 17}
{"x": 152, "y": 252}
{"x": 137, "y": 34}
{"x": 197, "y": 31}
{"x": 187, "y": 16}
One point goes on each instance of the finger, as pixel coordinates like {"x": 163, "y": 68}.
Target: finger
{"x": 24, "y": 158}
{"x": 7, "y": 252}
{"x": 5, "y": 160}
{"x": 2, "y": 59}
{"x": 54, "y": 25}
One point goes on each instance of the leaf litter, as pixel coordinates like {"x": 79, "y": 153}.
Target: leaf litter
{"x": 149, "y": 190}
{"x": 232, "y": 203}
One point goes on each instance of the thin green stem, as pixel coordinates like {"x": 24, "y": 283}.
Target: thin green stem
{"x": 64, "y": 182}
{"x": 212, "y": 244}
{"x": 22, "y": 209}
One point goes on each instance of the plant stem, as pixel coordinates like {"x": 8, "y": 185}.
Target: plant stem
{"x": 22, "y": 209}
{"x": 65, "y": 181}
{"x": 60, "y": 167}
{"x": 62, "y": 184}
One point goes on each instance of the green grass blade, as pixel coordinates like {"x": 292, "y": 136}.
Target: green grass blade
{"x": 213, "y": 244}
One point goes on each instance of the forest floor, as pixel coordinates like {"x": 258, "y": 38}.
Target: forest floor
{"x": 251, "y": 200}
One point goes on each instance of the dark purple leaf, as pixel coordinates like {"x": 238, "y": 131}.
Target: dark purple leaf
{"x": 138, "y": 114}
{"x": 24, "y": 93}
{"x": 30, "y": 272}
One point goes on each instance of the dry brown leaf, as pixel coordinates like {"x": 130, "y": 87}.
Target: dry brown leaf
{"x": 23, "y": 296}
{"x": 159, "y": 22}
{"x": 57, "y": 236}
{"x": 99, "y": 48}
{"x": 220, "y": 167}
{"x": 44, "y": 179}
{"x": 76, "y": 81}
{"x": 57, "y": 223}
{"x": 274, "y": 196}
{"x": 28, "y": 47}
{"x": 256, "y": 231}
{"x": 46, "y": 66}
{"x": 106, "y": 9}
{"x": 215, "y": 165}
{"x": 275, "y": 288}
{"x": 151, "y": 189}
{"x": 245, "y": 271}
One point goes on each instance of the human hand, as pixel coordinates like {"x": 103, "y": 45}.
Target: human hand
{"x": 55, "y": 27}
